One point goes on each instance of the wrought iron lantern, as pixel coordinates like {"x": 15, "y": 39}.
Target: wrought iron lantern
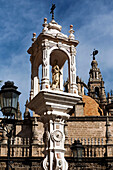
{"x": 77, "y": 149}
{"x": 9, "y": 98}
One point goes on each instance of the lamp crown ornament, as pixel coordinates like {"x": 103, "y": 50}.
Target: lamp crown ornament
{"x": 9, "y": 83}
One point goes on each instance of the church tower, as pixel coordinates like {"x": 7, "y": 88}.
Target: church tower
{"x": 49, "y": 52}
{"x": 96, "y": 88}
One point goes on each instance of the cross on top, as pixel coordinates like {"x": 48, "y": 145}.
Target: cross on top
{"x": 52, "y": 10}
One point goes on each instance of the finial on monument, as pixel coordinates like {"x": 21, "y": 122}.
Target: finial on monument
{"x": 52, "y": 11}
{"x": 45, "y": 25}
{"x": 71, "y": 31}
{"x": 95, "y": 52}
{"x": 34, "y": 37}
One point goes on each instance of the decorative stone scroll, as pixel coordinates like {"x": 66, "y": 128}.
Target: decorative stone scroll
{"x": 56, "y": 136}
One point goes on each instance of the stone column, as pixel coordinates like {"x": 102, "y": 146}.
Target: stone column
{"x": 31, "y": 91}
{"x": 36, "y": 85}
{"x": 54, "y": 138}
{"x": 73, "y": 86}
{"x": 61, "y": 79}
{"x": 45, "y": 65}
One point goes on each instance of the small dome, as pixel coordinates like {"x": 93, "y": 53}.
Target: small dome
{"x": 54, "y": 25}
{"x": 54, "y": 29}
{"x": 91, "y": 107}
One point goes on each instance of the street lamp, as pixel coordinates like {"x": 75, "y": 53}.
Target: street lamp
{"x": 9, "y": 101}
{"x": 77, "y": 149}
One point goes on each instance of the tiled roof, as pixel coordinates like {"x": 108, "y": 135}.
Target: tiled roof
{"x": 91, "y": 107}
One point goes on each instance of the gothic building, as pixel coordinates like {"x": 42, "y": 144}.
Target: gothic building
{"x": 69, "y": 129}
{"x": 96, "y": 87}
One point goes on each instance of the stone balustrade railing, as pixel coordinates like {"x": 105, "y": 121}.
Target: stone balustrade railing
{"x": 22, "y": 147}
{"x": 92, "y": 147}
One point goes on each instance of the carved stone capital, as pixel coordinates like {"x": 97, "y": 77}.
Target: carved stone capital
{"x": 45, "y": 44}
{"x": 73, "y": 50}
{"x": 59, "y": 45}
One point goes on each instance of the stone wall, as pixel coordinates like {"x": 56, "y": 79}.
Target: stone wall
{"x": 87, "y": 127}
{"x": 90, "y": 164}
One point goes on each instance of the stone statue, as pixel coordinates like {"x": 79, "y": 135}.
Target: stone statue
{"x": 55, "y": 75}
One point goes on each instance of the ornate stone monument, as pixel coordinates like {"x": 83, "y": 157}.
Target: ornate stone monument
{"x": 51, "y": 49}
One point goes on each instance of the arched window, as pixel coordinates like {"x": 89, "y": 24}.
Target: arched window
{"x": 97, "y": 91}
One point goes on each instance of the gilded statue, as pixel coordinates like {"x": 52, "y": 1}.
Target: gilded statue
{"x": 55, "y": 75}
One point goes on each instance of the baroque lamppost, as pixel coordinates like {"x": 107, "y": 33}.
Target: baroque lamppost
{"x": 9, "y": 99}
{"x": 77, "y": 150}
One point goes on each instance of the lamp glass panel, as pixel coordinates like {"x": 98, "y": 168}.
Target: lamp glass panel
{"x": 1, "y": 101}
{"x": 7, "y": 99}
{"x": 14, "y": 100}
{"x": 75, "y": 152}
{"x": 79, "y": 153}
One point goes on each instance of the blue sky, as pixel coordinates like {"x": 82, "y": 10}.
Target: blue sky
{"x": 93, "y": 25}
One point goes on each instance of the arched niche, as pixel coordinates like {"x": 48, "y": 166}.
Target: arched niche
{"x": 61, "y": 57}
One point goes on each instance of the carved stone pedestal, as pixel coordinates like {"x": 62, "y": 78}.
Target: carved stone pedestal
{"x": 53, "y": 107}
{"x": 54, "y": 142}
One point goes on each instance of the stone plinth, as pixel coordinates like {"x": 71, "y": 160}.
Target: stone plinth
{"x": 53, "y": 108}
{"x": 48, "y": 101}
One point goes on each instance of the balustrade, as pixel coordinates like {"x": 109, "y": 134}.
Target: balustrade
{"x": 93, "y": 147}
{"x": 20, "y": 147}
